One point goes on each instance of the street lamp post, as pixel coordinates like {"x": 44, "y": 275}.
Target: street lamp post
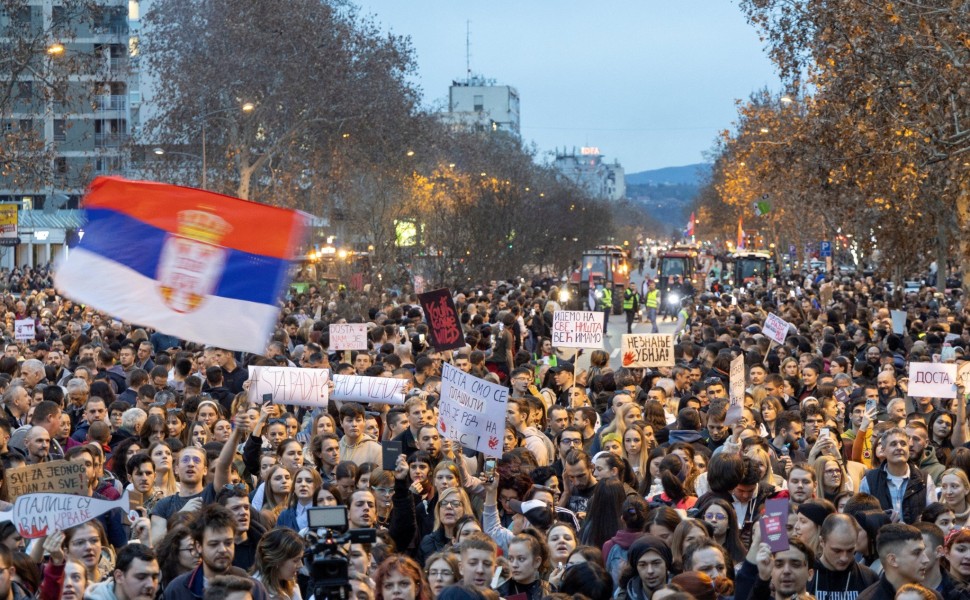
{"x": 246, "y": 107}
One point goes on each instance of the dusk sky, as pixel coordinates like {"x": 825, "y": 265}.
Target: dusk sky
{"x": 648, "y": 82}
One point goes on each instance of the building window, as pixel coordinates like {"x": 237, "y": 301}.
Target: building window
{"x": 60, "y": 130}
{"x": 26, "y": 125}
{"x": 25, "y": 89}
{"x": 479, "y": 103}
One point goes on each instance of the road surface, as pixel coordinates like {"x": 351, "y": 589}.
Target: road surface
{"x": 616, "y": 329}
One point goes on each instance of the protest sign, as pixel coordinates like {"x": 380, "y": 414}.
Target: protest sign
{"x": 932, "y": 380}
{"x": 37, "y": 515}
{"x": 56, "y": 477}
{"x": 24, "y": 330}
{"x": 775, "y": 328}
{"x": 774, "y": 524}
{"x": 380, "y": 390}
{"x": 442, "y": 318}
{"x": 963, "y": 376}
{"x": 472, "y": 411}
{"x": 577, "y": 329}
{"x": 899, "y": 321}
{"x": 348, "y": 336}
{"x": 736, "y": 390}
{"x": 647, "y": 350}
{"x": 289, "y": 385}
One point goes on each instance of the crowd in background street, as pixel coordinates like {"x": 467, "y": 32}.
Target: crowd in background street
{"x": 613, "y": 482}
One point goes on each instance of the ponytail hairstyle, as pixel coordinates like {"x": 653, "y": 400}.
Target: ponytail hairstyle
{"x": 673, "y": 473}
{"x": 634, "y": 513}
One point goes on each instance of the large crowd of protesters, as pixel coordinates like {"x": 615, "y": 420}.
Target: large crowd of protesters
{"x": 613, "y": 482}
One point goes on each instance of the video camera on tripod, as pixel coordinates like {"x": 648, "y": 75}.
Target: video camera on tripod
{"x": 325, "y": 560}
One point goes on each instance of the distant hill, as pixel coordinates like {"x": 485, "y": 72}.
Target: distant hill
{"x": 686, "y": 175}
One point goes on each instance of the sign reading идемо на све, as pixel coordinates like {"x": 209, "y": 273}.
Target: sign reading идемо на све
{"x": 577, "y": 329}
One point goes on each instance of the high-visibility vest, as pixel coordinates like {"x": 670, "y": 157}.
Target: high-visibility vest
{"x": 653, "y": 299}
{"x": 629, "y": 299}
{"x": 607, "y": 300}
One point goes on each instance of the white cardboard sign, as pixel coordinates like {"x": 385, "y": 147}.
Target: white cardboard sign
{"x": 356, "y": 388}
{"x": 577, "y": 329}
{"x": 289, "y": 385}
{"x": 932, "y": 380}
{"x": 472, "y": 411}
{"x": 775, "y": 329}
{"x": 348, "y": 336}
{"x": 639, "y": 351}
{"x": 38, "y": 515}
{"x": 24, "y": 330}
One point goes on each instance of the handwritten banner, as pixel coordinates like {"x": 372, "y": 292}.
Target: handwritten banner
{"x": 932, "y": 380}
{"x": 775, "y": 328}
{"x": 37, "y": 515}
{"x": 289, "y": 385}
{"x": 577, "y": 329}
{"x": 379, "y": 390}
{"x": 647, "y": 350}
{"x": 472, "y": 411}
{"x": 24, "y": 330}
{"x": 348, "y": 336}
{"x": 442, "y": 318}
{"x": 56, "y": 477}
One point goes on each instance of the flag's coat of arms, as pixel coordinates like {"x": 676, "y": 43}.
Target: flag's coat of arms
{"x": 195, "y": 264}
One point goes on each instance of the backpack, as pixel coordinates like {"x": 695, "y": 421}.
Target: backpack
{"x": 615, "y": 561}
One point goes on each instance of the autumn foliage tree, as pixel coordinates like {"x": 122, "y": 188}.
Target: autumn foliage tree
{"x": 880, "y": 145}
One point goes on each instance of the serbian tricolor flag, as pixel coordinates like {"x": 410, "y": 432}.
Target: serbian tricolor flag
{"x": 202, "y": 266}
{"x": 740, "y": 235}
{"x": 690, "y": 225}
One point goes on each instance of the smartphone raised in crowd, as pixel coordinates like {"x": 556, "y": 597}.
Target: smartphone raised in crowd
{"x": 391, "y": 450}
{"x": 490, "y": 470}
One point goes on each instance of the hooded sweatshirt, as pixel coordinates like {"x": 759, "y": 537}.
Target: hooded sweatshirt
{"x": 101, "y": 591}
{"x": 540, "y": 446}
{"x": 366, "y": 450}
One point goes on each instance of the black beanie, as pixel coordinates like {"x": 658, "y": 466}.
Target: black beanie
{"x": 646, "y": 543}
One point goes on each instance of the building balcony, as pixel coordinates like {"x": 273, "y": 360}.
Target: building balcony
{"x": 113, "y": 102}
{"x": 109, "y": 140}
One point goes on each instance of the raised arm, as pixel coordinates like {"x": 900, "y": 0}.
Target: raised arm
{"x": 223, "y": 463}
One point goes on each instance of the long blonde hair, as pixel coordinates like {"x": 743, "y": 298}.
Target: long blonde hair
{"x": 820, "y": 463}
{"x": 959, "y": 474}
{"x": 618, "y": 425}
{"x": 462, "y": 496}
{"x": 642, "y": 465}
{"x": 762, "y": 456}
